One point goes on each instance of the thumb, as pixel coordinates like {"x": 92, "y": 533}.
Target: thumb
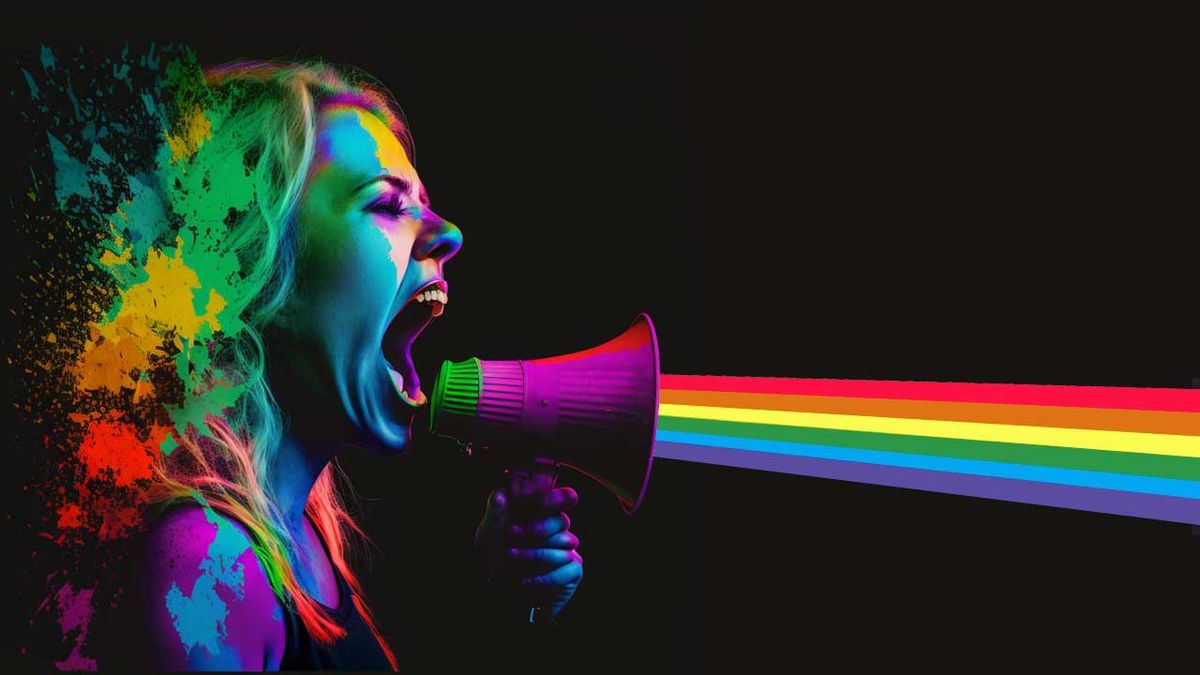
{"x": 497, "y": 505}
{"x": 494, "y": 513}
{"x": 490, "y": 530}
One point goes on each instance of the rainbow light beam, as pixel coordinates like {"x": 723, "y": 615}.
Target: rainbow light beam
{"x": 1123, "y": 450}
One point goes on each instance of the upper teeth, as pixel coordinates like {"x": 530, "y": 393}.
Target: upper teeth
{"x": 432, "y": 295}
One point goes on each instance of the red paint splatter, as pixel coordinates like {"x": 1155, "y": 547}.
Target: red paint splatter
{"x": 112, "y": 444}
{"x": 69, "y": 515}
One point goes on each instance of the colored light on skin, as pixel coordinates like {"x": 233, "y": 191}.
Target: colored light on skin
{"x": 365, "y": 148}
{"x": 359, "y": 263}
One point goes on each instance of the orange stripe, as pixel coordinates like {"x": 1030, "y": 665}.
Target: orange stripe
{"x": 1149, "y": 421}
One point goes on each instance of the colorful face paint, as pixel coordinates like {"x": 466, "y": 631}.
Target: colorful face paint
{"x": 366, "y": 235}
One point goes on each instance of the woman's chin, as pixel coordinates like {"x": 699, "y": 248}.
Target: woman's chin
{"x": 394, "y": 419}
{"x": 395, "y": 437}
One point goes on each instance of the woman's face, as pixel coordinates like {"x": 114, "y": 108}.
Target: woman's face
{"x": 369, "y": 278}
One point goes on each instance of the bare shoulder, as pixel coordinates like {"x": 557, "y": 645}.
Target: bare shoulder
{"x": 207, "y": 599}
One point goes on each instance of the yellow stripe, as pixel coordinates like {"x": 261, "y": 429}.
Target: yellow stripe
{"x": 1092, "y": 439}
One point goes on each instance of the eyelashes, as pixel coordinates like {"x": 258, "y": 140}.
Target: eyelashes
{"x": 392, "y": 205}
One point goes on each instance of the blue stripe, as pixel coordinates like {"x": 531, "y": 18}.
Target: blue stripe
{"x": 1172, "y": 487}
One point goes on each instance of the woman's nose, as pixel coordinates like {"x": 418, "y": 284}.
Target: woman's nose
{"x": 439, "y": 238}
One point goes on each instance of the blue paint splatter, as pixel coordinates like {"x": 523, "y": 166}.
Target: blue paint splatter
{"x": 33, "y": 88}
{"x": 71, "y": 175}
{"x": 47, "y": 58}
{"x": 199, "y": 617}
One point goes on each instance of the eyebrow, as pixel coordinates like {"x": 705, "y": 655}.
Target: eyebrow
{"x": 399, "y": 183}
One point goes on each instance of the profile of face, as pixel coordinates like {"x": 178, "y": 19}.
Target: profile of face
{"x": 369, "y": 278}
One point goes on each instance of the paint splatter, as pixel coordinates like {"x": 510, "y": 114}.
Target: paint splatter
{"x": 74, "y": 617}
{"x": 125, "y": 299}
{"x": 199, "y": 616}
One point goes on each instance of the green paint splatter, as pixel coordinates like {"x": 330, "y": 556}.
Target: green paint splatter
{"x": 47, "y": 59}
{"x": 33, "y": 88}
{"x": 70, "y": 174}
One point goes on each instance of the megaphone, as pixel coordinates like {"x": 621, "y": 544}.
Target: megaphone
{"x": 593, "y": 411}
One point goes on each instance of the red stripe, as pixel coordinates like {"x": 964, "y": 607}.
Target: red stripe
{"x": 1135, "y": 398}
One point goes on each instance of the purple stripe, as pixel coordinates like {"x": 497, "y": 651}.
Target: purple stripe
{"x": 1140, "y": 505}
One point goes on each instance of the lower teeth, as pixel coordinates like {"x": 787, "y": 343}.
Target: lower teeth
{"x": 398, "y": 383}
{"x": 415, "y": 404}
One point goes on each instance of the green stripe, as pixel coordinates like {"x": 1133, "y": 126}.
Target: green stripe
{"x": 1139, "y": 464}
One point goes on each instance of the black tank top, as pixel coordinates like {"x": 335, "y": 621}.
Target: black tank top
{"x": 358, "y": 650}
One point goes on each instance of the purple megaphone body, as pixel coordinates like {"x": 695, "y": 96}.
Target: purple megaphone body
{"x": 594, "y": 411}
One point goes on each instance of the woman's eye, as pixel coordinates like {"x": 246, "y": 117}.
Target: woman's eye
{"x": 391, "y": 205}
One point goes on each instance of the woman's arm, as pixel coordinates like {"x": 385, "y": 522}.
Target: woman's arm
{"x": 206, "y": 602}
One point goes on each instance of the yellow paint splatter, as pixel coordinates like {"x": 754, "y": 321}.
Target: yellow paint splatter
{"x": 149, "y": 310}
{"x": 193, "y": 130}
{"x": 110, "y": 259}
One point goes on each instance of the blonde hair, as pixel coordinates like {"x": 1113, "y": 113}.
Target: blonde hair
{"x": 261, "y": 125}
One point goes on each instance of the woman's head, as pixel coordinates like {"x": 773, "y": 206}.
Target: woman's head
{"x": 326, "y": 233}
{"x": 354, "y": 240}
{"x": 371, "y": 249}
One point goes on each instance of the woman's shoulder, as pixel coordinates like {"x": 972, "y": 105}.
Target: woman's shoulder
{"x": 207, "y": 597}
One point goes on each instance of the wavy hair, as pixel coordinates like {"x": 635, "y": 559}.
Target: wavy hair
{"x": 255, "y": 121}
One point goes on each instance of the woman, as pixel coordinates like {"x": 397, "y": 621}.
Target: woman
{"x": 246, "y": 567}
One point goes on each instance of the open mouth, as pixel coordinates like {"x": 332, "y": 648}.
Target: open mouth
{"x": 398, "y": 340}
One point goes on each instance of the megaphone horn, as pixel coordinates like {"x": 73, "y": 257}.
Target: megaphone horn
{"x": 594, "y": 411}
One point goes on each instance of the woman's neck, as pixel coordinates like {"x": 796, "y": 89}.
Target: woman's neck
{"x": 295, "y": 469}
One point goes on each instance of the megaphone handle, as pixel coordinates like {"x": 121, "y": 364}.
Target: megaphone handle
{"x": 536, "y": 477}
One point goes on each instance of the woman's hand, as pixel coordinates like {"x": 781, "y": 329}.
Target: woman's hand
{"x": 528, "y": 549}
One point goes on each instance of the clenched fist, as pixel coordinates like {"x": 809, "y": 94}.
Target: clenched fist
{"x": 528, "y": 549}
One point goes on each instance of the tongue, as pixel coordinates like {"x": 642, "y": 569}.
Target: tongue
{"x": 414, "y": 383}
{"x": 398, "y": 339}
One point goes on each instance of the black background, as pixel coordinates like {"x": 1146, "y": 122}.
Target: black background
{"x": 900, "y": 196}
